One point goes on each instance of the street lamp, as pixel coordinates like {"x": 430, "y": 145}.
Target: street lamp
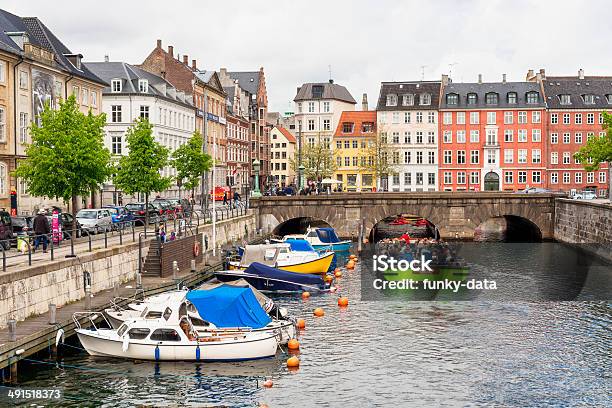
{"x": 301, "y": 176}
{"x": 256, "y": 192}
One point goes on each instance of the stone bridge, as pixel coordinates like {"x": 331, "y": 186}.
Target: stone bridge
{"x": 456, "y": 214}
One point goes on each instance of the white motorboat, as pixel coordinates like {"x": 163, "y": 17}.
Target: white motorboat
{"x": 281, "y": 256}
{"x": 320, "y": 239}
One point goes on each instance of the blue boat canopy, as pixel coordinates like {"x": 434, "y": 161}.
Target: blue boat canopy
{"x": 229, "y": 306}
{"x": 300, "y": 245}
{"x": 269, "y": 272}
{"x": 327, "y": 235}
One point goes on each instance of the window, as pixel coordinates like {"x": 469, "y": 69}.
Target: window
{"x": 431, "y": 137}
{"x": 536, "y": 117}
{"x": 447, "y": 118}
{"x": 474, "y": 177}
{"x": 2, "y": 179}
{"x": 589, "y": 99}
{"x": 24, "y": 79}
{"x": 2, "y": 71}
{"x": 143, "y": 86}
{"x": 419, "y": 178}
{"x": 577, "y": 177}
{"x": 311, "y": 124}
{"x": 94, "y": 99}
{"x": 395, "y": 117}
{"x": 522, "y": 135}
{"x": 474, "y": 118}
{"x": 566, "y": 138}
{"x": 355, "y": 159}
{"x": 590, "y": 135}
{"x": 509, "y": 156}
{"x": 311, "y": 107}
{"x": 407, "y": 157}
{"x": 425, "y": 99}
{"x": 299, "y": 107}
{"x": 522, "y": 117}
{"x": 554, "y": 138}
{"x": 460, "y": 156}
{"x": 590, "y": 118}
{"x": 554, "y": 158}
{"x": 536, "y": 177}
{"x": 116, "y": 144}
{"x": 536, "y": 135}
{"x": 391, "y": 100}
{"x": 452, "y": 99}
{"x": 366, "y": 127}
{"x": 472, "y": 99}
{"x": 408, "y": 99}
{"x": 347, "y": 144}
{"x": 347, "y": 127}
{"x": 578, "y": 138}
{"x": 508, "y": 177}
{"x": 448, "y": 136}
{"x": 355, "y": 143}
{"x": 431, "y": 157}
{"x": 566, "y": 118}
{"x": 491, "y": 120}
{"x": 602, "y": 177}
{"x": 75, "y": 91}
{"x": 522, "y": 177}
{"x": 326, "y": 124}
{"x": 144, "y": 112}
{"x": 461, "y": 118}
{"x": 474, "y": 156}
{"x": 554, "y": 118}
{"x": 419, "y": 157}
{"x": 396, "y": 179}
{"x": 431, "y": 179}
{"x": 419, "y": 117}
{"x": 461, "y": 136}
{"x": 326, "y": 107}
{"x": 508, "y": 135}
{"x": 2, "y": 124}
{"x": 508, "y": 116}
{"x": 116, "y": 113}
{"x": 491, "y": 98}
{"x": 554, "y": 178}
{"x": 23, "y": 127}
{"x": 600, "y": 118}
{"x": 566, "y": 158}
{"x": 512, "y": 98}
{"x": 491, "y": 137}
{"x": 565, "y": 100}
{"x": 533, "y": 97}
{"x": 590, "y": 178}
{"x": 474, "y": 136}
{"x": 448, "y": 157}
{"x": 522, "y": 156}
{"x": 406, "y": 117}
{"x": 461, "y": 177}
{"x": 84, "y": 96}
{"x": 431, "y": 117}
{"x": 115, "y": 85}
{"x": 347, "y": 161}
{"x": 448, "y": 177}
{"x": 408, "y": 178}
{"x": 578, "y": 119}
{"x": 165, "y": 335}
{"x": 394, "y": 138}
{"x": 536, "y": 156}
{"x": 339, "y": 161}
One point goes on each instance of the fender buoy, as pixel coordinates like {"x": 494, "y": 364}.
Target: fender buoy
{"x": 196, "y": 248}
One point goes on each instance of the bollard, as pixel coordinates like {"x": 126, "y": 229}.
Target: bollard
{"x": 88, "y": 298}
{"x": 116, "y": 289}
{"x": 52, "y": 313}
{"x": 12, "y": 328}
{"x": 193, "y": 265}
{"x": 174, "y": 269}
{"x": 139, "y": 280}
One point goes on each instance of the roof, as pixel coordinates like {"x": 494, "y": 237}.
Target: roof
{"x": 130, "y": 75}
{"x": 249, "y": 81}
{"x": 357, "y": 118}
{"x": 413, "y": 88}
{"x": 290, "y": 138}
{"x": 576, "y": 88}
{"x": 330, "y": 91}
{"x": 500, "y": 88}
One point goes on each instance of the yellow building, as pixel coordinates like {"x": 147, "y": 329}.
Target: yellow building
{"x": 355, "y": 131}
{"x": 282, "y": 150}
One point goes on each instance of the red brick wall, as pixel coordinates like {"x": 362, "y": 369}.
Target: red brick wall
{"x": 180, "y": 250}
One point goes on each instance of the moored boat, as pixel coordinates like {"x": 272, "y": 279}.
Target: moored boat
{"x": 320, "y": 238}
{"x": 280, "y": 255}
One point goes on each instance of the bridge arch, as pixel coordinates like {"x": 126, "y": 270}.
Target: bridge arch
{"x": 396, "y": 225}
{"x": 298, "y": 225}
{"x": 508, "y": 228}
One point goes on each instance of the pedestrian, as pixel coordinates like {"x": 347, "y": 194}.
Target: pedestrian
{"x": 225, "y": 198}
{"x": 236, "y": 198}
{"x": 172, "y": 236}
{"x": 41, "y": 229}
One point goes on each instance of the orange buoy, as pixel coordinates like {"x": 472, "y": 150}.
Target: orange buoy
{"x": 293, "y": 362}
{"x": 343, "y": 301}
{"x": 350, "y": 264}
{"x": 318, "y": 312}
{"x": 352, "y": 256}
{"x": 336, "y": 270}
{"x": 338, "y": 274}
{"x": 268, "y": 384}
{"x": 293, "y": 344}
{"x": 329, "y": 278}
{"x": 301, "y": 323}
{"x": 263, "y": 405}
{"x": 305, "y": 295}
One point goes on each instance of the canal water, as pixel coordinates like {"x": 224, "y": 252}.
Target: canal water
{"x": 380, "y": 353}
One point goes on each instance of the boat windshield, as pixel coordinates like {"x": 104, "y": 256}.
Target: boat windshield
{"x": 327, "y": 235}
{"x": 121, "y": 329}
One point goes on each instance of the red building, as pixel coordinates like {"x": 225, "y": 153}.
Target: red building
{"x": 575, "y": 105}
{"x": 491, "y": 136}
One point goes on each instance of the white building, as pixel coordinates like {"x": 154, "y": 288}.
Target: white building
{"x": 407, "y": 115}
{"x": 133, "y": 93}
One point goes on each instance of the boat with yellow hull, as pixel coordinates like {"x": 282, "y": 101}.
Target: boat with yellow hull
{"x": 281, "y": 256}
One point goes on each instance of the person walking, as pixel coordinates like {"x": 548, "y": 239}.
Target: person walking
{"x": 41, "y": 229}
{"x": 225, "y": 198}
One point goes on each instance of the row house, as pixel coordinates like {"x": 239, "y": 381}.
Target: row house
{"x": 354, "y": 135}
{"x": 407, "y": 116}
{"x": 575, "y": 106}
{"x": 238, "y": 140}
{"x": 134, "y": 93}
{"x": 282, "y": 152}
{"x": 35, "y": 68}
{"x": 491, "y": 136}
{"x": 253, "y": 83}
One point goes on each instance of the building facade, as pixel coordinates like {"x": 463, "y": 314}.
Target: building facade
{"x": 355, "y": 133}
{"x": 575, "y": 105}
{"x": 492, "y": 137}
{"x": 238, "y": 140}
{"x": 135, "y": 93}
{"x": 282, "y": 152}
{"x": 407, "y": 115}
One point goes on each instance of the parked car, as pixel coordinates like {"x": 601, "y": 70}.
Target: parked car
{"x": 66, "y": 221}
{"x": 119, "y": 214}
{"x": 6, "y": 229}
{"x": 165, "y": 207}
{"x": 95, "y": 220}
{"x": 22, "y": 225}
{"x": 534, "y": 190}
{"x": 138, "y": 210}
{"x": 181, "y": 205}
{"x": 585, "y": 195}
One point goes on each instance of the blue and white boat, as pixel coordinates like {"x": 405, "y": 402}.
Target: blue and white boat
{"x": 268, "y": 279}
{"x": 320, "y": 239}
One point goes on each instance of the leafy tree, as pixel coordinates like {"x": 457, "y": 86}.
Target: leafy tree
{"x": 599, "y": 150}
{"x": 318, "y": 160}
{"x": 67, "y": 157}
{"x": 139, "y": 171}
{"x": 190, "y": 162}
{"x": 377, "y": 157}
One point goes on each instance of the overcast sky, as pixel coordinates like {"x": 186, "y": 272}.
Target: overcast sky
{"x": 364, "y": 42}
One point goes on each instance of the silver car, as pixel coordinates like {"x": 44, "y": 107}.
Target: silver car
{"x": 95, "y": 220}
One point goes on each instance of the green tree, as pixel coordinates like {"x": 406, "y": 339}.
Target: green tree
{"x": 190, "y": 162}
{"x": 377, "y": 158}
{"x": 599, "y": 150}
{"x": 318, "y": 160}
{"x": 67, "y": 157}
{"x": 139, "y": 171}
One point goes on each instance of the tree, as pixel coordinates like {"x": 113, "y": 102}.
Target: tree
{"x": 377, "y": 157}
{"x": 139, "y": 171}
{"x": 190, "y": 162}
{"x": 318, "y": 160}
{"x": 67, "y": 157}
{"x": 599, "y": 150}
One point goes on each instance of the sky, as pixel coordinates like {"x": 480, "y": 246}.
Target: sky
{"x": 361, "y": 42}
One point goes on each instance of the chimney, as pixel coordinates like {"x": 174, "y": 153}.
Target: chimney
{"x": 444, "y": 80}
{"x": 581, "y": 73}
{"x": 542, "y": 73}
{"x": 159, "y": 45}
{"x": 530, "y": 75}
{"x": 185, "y": 60}
{"x": 222, "y": 72}
{"x": 194, "y": 65}
{"x": 171, "y": 51}
{"x": 106, "y": 58}
{"x": 364, "y": 102}
{"x": 331, "y": 81}
{"x": 504, "y": 78}
{"x": 480, "y": 78}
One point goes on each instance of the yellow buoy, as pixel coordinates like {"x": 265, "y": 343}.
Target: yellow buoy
{"x": 293, "y": 344}
{"x": 350, "y": 264}
{"x": 338, "y": 274}
{"x": 268, "y": 384}
{"x": 293, "y": 362}
{"x": 342, "y": 301}
{"x": 318, "y": 312}
{"x": 305, "y": 295}
{"x": 329, "y": 278}
{"x": 301, "y": 323}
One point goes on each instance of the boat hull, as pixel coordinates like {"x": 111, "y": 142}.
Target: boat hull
{"x": 264, "y": 284}
{"x": 342, "y": 246}
{"x": 315, "y": 266}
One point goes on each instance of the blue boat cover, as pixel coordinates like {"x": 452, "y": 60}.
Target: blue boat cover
{"x": 300, "y": 245}
{"x": 327, "y": 235}
{"x": 266, "y": 271}
{"x": 229, "y": 306}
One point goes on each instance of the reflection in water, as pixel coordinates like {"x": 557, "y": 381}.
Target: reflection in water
{"x": 391, "y": 353}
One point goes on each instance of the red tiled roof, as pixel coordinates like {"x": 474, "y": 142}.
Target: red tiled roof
{"x": 287, "y": 134}
{"x": 357, "y": 118}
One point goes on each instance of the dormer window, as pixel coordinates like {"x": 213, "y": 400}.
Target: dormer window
{"x": 491, "y": 98}
{"x": 609, "y": 98}
{"x": 512, "y": 98}
{"x": 407, "y": 99}
{"x": 347, "y": 127}
{"x": 452, "y": 99}
{"x": 425, "y": 99}
{"x": 565, "y": 100}
{"x": 472, "y": 99}
{"x": 589, "y": 99}
{"x": 143, "y": 86}
{"x": 75, "y": 59}
{"x": 317, "y": 91}
{"x": 18, "y": 38}
{"x": 115, "y": 85}
{"x": 392, "y": 100}
{"x": 533, "y": 97}
{"x": 367, "y": 127}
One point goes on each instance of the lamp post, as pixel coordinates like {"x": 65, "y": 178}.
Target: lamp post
{"x": 256, "y": 192}
{"x": 301, "y": 176}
